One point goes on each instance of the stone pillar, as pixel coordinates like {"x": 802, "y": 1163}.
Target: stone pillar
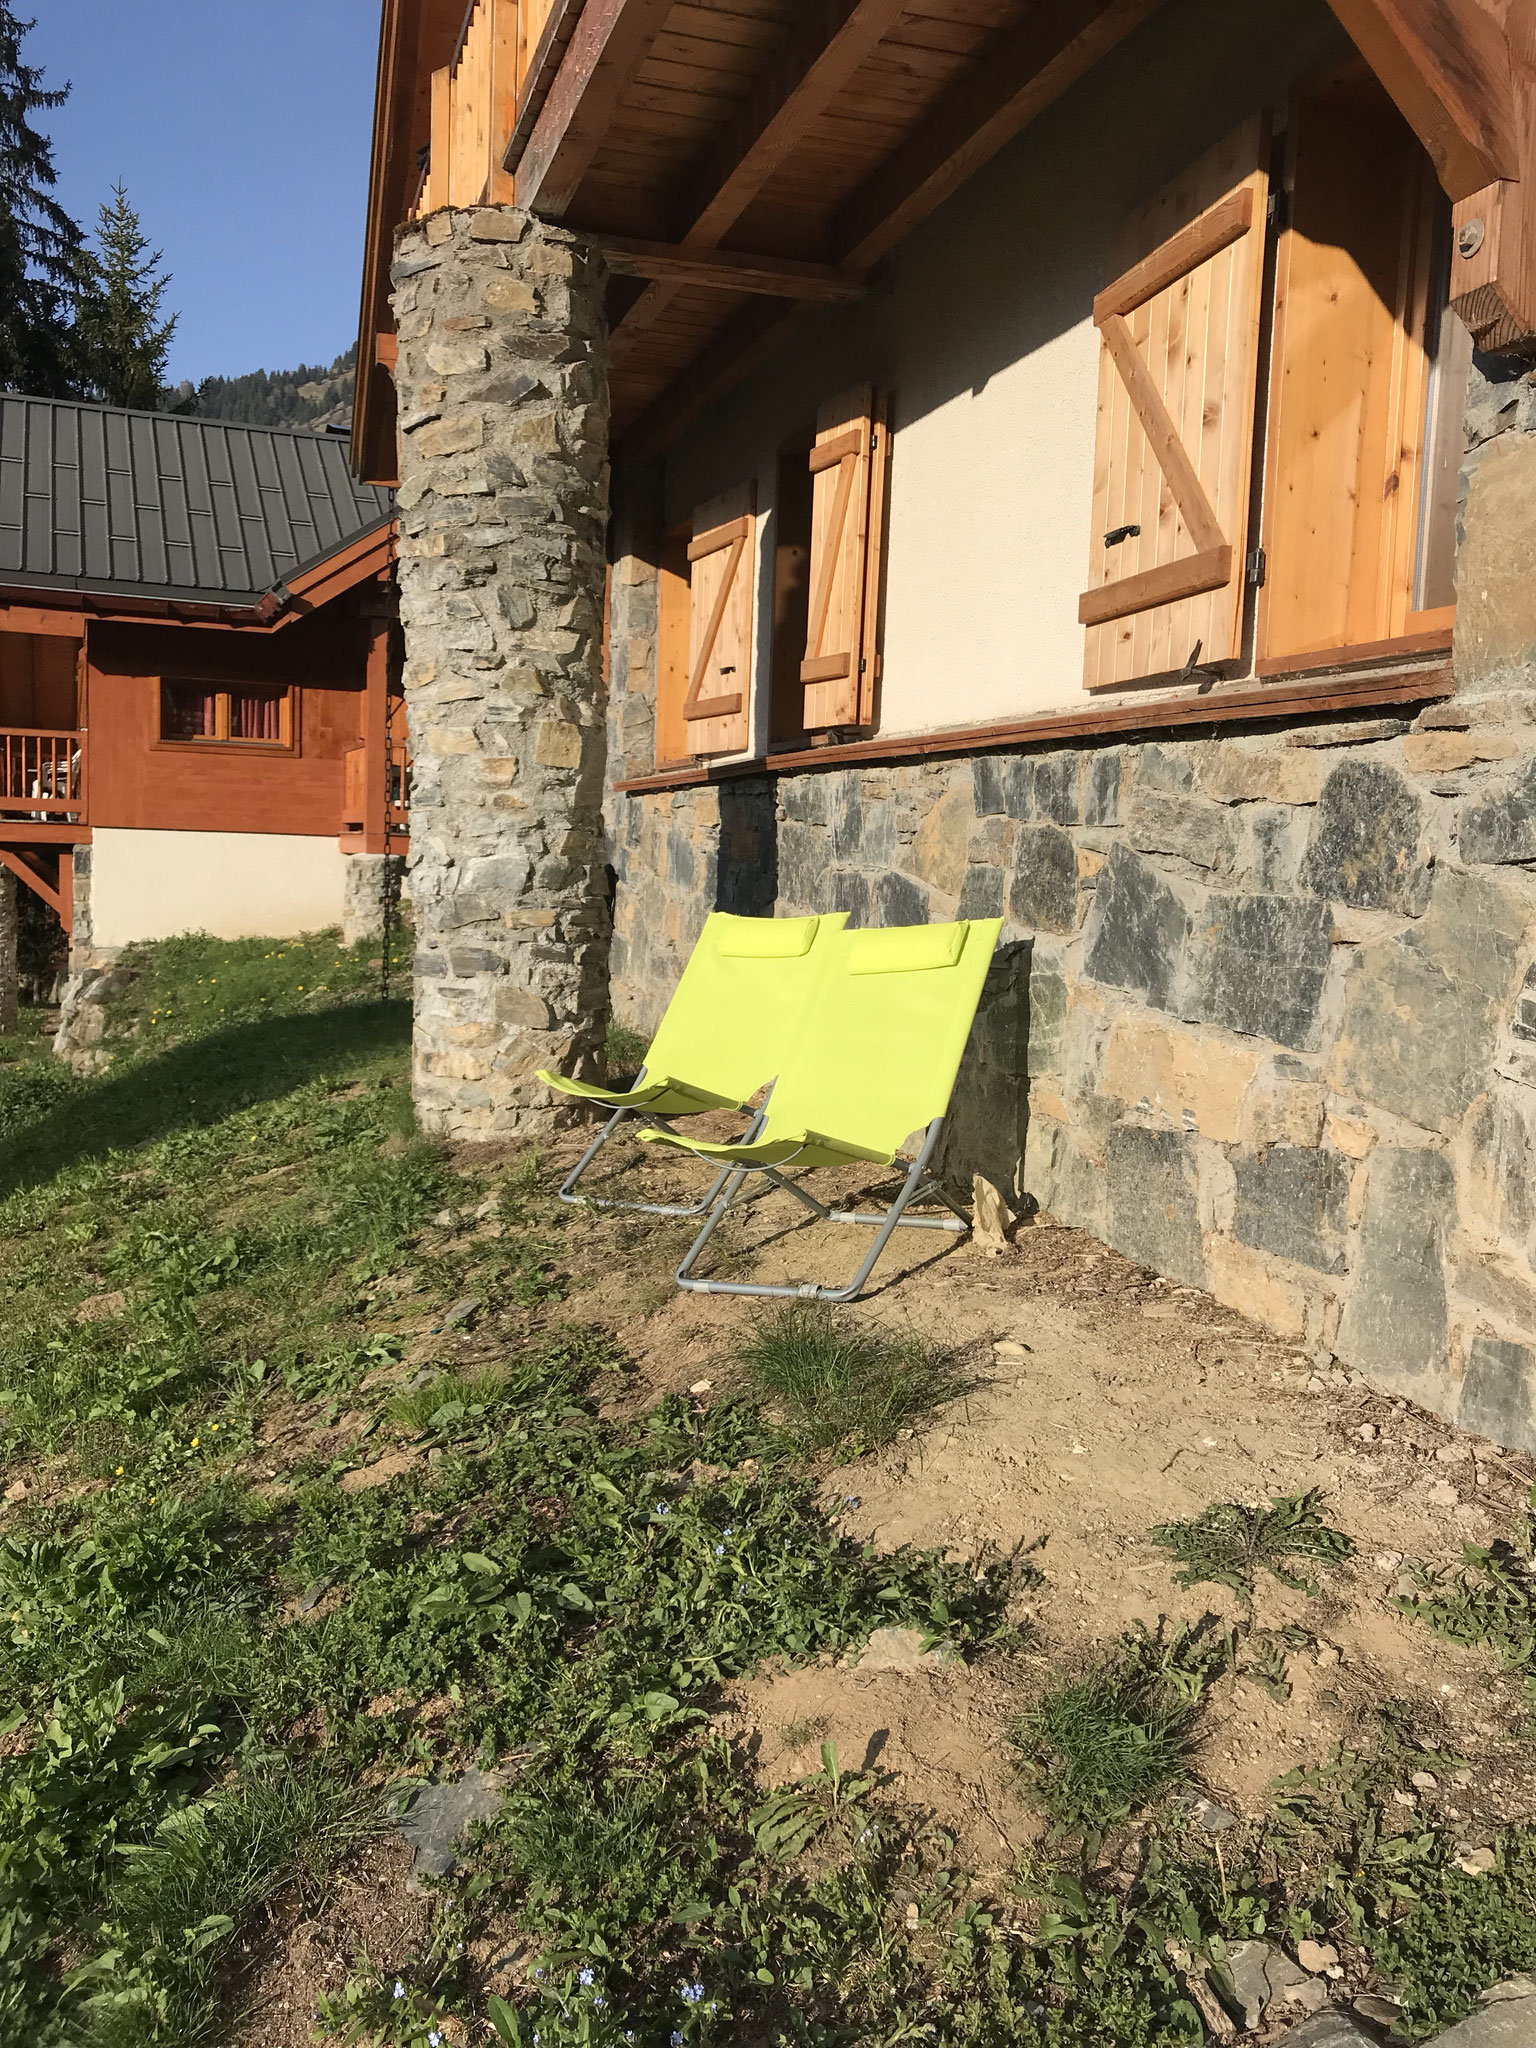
{"x": 10, "y": 932}
{"x": 364, "y": 889}
{"x": 503, "y": 500}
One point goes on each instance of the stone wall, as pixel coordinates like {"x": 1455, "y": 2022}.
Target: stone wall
{"x": 503, "y": 503}
{"x": 1266, "y": 1013}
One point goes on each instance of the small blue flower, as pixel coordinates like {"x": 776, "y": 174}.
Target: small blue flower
{"x": 434, "y": 2038}
{"x": 719, "y": 1550}
{"x": 662, "y": 1508}
{"x": 586, "y": 1977}
{"x": 598, "y": 1999}
{"x": 677, "y": 2041}
{"x": 399, "y": 1989}
{"x": 692, "y": 1993}
{"x": 852, "y": 1500}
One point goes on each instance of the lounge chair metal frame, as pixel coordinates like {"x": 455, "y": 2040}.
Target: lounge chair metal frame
{"x": 609, "y": 1131}
{"x": 919, "y": 1184}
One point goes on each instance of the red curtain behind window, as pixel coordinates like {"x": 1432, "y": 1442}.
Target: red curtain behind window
{"x": 188, "y": 711}
{"x": 256, "y": 715}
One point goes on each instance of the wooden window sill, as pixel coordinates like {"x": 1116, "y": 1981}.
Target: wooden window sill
{"x": 222, "y": 747}
{"x": 1301, "y": 697}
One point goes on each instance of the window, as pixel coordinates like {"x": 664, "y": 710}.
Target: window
{"x": 1297, "y": 513}
{"x": 247, "y": 715}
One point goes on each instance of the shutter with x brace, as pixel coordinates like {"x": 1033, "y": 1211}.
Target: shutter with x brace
{"x": 1178, "y": 384}
{"x": 847, "y": 509}
{"x": 722, "y": 559}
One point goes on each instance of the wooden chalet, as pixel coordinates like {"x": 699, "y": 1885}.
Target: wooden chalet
{"x": 196, "y": 623}
{"x": 1066, "y": 459}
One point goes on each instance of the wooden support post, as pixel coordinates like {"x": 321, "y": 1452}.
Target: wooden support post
{"x": 10, "y": 977}
{"x": 375, "y": 736}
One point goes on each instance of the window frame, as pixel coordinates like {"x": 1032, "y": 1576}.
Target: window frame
{"x": 221, "y": 740}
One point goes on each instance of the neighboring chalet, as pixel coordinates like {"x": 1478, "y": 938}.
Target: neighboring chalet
{"x": 1026, "y": 457}
{"x": 196, "y": 625}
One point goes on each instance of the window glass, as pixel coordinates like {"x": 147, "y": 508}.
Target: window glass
{"x": 256, "y": 715}
{"x": 189, "y": 711}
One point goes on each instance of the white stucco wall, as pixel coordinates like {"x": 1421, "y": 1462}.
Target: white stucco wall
{"x": 981, "y": 327}
{"x": 234, "y": 885}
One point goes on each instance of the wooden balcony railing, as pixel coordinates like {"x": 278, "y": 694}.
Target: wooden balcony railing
{"x": 42, "y": 775}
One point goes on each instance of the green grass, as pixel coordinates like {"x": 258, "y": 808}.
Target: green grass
{"x": 624, "y": 1050}
{"x": 1107, "y": 1745}
{"x": 1228, "y": 1544}
{"x": 214, "y": 1653}
{"x": 844, "y": 1383}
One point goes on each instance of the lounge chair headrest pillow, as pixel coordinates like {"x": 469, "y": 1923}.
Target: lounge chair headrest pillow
{"x": 766, "y": 938}
{"x": 906, "y": 948}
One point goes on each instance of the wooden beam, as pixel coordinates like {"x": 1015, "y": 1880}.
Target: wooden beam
{"x": 728, "y": 270}
{"x": 1224, "y": 705}
{"x": 20, "y": 866}
{"x": 612, "y": 39}
{"x": 1493, "y": 247}
{"x": 554, "y": 37}
{"x": 1447, "y": 65}
{"x": 792, "y": 94}
{"x": 1013, "y": 81}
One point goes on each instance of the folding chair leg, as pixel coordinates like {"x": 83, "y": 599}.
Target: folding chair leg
{"x": 916, "y": 1184}
{"x": 609, "y": 1130}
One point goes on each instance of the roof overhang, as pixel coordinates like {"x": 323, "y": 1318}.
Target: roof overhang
{"x": 702, "y": 179}
{"x": 56, "y": 606}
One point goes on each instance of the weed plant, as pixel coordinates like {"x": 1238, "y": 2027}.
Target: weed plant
{"x": 844, "y": 1383}
{"x": 1228, "y": 1544}
{"x": 1110, "y": 1743}
{"x": 1488, "y": 1600}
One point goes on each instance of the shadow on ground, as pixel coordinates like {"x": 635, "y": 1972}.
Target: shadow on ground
{"x": 197, "y": 1083}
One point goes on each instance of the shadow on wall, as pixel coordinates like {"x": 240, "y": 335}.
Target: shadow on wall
{"x": 747, "y": 876}
{"x": 989, "y": 1116}
{"x": 198, "y": 1083}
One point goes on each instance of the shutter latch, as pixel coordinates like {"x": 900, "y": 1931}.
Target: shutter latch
{"x": 1113, "y": 538}
{"x": 1258, "y": 568}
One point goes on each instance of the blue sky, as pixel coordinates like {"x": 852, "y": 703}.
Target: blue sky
{"x": 241, "y": 130}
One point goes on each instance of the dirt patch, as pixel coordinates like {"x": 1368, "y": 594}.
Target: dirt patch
{"x": 380, "y": 1472}
{"x": 302, "y": 1953}
{"x": 933, "y": 1738}
{"x": 1113, "y": 1401}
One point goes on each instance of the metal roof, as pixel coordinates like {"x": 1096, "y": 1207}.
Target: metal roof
{"x": 146, "y": 504}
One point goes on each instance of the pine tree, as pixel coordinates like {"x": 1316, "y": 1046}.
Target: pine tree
{"x": 121, "y": 343}
{"x": 39, "y": 243}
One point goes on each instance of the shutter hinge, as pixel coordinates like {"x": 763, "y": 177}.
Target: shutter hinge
{"x": 863, "y": 664}
{"x": 1258, "y": 568}
{"x": 1278, "y": 210}
{"x": 1116, "y": 534}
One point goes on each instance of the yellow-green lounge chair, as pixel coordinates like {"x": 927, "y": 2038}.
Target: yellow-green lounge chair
{"x": 874, "y": 1063}
{"x": 733, "y": 1015}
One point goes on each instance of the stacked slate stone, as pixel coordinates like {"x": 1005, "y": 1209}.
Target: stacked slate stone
{"x": 503, "y": 400}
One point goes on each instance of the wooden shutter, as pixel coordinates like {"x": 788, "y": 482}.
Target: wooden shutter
{"x": 722, "y": 559}
{"x": 847, "y": 510}
{"x": 1178, "y": 380}
{"x": 1349, "y": 381}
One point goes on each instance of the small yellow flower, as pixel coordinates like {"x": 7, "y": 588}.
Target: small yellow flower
{"x": 196, "y": 1441}
{"x": 215, "y": 1426}
{"x": 119, "y": 1471}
